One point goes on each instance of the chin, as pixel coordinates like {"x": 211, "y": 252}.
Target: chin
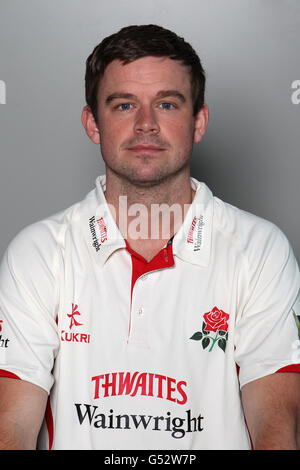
{"x": 146, "y": 173}
{"x": 145, "y": 180}
{"x": 142, "y": 175}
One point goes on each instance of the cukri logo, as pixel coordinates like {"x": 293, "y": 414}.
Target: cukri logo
{"x": 75, "y": 336}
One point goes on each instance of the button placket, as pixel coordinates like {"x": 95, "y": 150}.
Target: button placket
{"x": 138, "y": 335}
{"x": 140, "y": 311}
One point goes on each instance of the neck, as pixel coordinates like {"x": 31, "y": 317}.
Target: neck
{"x": 171, "y": 190}
{"x": 149, "y": 215}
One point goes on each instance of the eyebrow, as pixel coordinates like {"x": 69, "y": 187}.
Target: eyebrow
{"x": 166, "y": 93}
{"x": 115, "y": 96}
{"x": 160, "y": 94}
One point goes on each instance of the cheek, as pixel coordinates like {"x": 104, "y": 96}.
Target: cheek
{"x": 111, "y": 135}
{"x": 117, "y": 128}
{"x": 182, "y": 138}
{"x": 182, "y": 129}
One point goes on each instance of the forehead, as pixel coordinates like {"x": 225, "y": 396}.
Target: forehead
{"x": 145, "y": 74}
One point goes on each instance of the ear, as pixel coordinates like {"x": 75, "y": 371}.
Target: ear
{"x": 201, "y": 122}
{"x": 90, "y": 125}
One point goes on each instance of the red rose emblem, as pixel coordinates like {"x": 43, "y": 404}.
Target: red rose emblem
{"x": 216, "y": 320}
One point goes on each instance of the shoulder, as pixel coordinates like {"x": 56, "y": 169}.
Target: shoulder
{"x": 40, "y": 239}
{"x": 45, "y": 237}
{"x": 245, "y": 230}
{"x": 31, "y": 266}
{"x": 39, "y": 246}
{"x": 262, "y": 247}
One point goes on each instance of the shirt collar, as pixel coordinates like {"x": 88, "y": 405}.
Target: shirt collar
{"x": 192, "y": 243}
{"x": 104, "y": 235}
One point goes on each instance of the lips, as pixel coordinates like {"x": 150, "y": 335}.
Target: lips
{"x": 146, "y": 148}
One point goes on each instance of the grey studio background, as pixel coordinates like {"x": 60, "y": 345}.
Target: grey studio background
{"x": 250, "y": 51}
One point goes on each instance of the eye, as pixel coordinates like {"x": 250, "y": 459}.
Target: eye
{"x": 166, "y": 105}
{"x": 124, "y": 106}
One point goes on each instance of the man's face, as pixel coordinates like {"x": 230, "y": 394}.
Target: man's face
{"x": 145, "y": 119}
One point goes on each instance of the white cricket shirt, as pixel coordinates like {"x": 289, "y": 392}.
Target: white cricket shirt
{"x": 139, "y": 355}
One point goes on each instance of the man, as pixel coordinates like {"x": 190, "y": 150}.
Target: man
{"x": 149, "y": 329}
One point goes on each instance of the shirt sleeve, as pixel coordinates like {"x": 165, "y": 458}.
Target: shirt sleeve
{"x": 266, "y": 335}
{"x": 28, "y": 305}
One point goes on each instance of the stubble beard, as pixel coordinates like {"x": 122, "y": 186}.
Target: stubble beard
{"x": 140, "y": 176}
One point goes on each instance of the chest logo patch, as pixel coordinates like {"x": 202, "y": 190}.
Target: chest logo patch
{"x": 214, "y": 330}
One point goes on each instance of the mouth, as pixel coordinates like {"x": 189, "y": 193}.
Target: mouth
{"x": 146, "y": 149}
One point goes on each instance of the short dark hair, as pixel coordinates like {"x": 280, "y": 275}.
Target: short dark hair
{"x": 137, "y": 41}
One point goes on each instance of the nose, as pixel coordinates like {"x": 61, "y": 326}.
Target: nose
{"x": 146, "y": 121}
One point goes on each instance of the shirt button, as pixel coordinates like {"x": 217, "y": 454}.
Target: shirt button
{"x": 140, "y": 311}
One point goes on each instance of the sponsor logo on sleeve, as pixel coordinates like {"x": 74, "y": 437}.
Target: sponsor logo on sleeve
{"x": 297, "y": 320}
{"x": 3, "y": 340}
{"x": 296, "y": 343}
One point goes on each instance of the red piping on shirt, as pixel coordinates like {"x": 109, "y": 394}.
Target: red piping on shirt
{"x": 10, "y": 375}
{"x": 290, "y": 368}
